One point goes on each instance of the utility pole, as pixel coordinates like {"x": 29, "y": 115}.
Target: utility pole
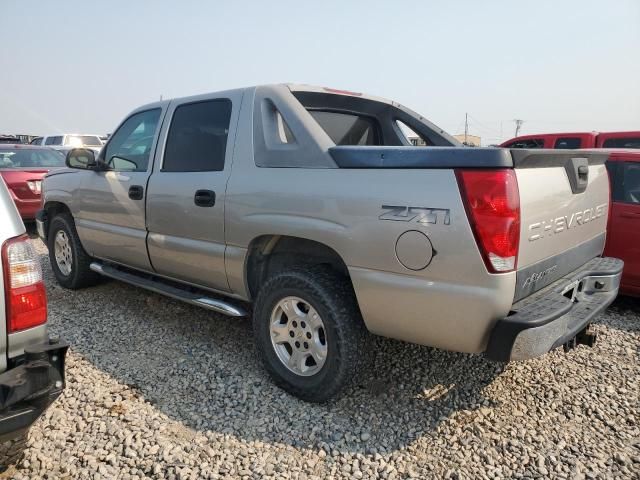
{"x": 518, "y": 125}
{"x": 466, "y": 127}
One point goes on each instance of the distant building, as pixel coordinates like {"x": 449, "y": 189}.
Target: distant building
{"x": 472, "y": 140}
{"x": 415, "y": 140}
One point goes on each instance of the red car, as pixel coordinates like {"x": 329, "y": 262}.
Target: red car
{"x": 576, "y": 140}
{"x": 22, "y": 168}
{"x": 623, "y": 231}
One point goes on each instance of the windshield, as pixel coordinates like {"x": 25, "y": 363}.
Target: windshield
{"x": 83, "y": 140}
{"x": 30, "y": 158}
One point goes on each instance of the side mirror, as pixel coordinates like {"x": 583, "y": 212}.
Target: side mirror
{"x": 82, "y": 158}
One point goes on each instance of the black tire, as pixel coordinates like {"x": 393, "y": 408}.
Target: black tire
{"x": 332, "y": 296}
{"x": 12, "y": 451}
{"x": 81, "y": 275}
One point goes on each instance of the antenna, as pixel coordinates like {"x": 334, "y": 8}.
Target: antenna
{"x": 518, "y": 125}
{"x": 466, "y": 127}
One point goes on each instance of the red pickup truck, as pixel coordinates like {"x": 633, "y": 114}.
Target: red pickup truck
{"x": 623, "y": 231}
{"x": 576, "y": 140}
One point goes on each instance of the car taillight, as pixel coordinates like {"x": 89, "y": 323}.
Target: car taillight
{"x": 25, "y": 294}
{"x": 492, "y": 202}
{"x": 35, "y": 186}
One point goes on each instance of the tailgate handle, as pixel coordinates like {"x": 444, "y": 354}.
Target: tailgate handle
{"x": 577, "y": 170}
{"x": 583, "y": 171}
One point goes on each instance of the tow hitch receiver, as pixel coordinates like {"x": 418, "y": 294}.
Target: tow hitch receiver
{"x": 584, "y": 337}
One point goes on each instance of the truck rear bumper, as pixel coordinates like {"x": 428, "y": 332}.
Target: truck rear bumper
{"x": 28, "y": 389}
{"x": 556, "y": 314}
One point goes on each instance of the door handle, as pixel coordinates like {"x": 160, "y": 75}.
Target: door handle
{"x": 136, "y": 192}
{"x": 205, "y": 198}
{"x": 635, "y": 215}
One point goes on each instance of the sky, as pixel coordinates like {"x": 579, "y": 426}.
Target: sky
{"x": 563, "y": 65}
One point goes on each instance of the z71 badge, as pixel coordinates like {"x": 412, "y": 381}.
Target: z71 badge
{"x": 423, "y": 215}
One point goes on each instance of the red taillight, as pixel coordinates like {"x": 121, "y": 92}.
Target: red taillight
{"x": 492, "y": 202}
{"x": 25, "y": 295}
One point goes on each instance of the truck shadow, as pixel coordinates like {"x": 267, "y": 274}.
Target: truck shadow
{"x": 624, "y": 312}
{"x": 201, "y": 369}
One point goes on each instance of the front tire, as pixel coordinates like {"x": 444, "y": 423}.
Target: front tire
{"x": 69, "y": 261}
{"x": 309, "y": 332}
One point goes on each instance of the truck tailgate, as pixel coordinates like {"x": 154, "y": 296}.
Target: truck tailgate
{"x": 564, "y": 202}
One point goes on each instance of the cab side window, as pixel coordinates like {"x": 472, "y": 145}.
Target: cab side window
{"x": 567, "y": 143}
{"x": 129, "y": 148}
{"x": 197, "y": 138}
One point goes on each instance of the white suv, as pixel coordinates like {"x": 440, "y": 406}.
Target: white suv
{"x": 70, "y": 140}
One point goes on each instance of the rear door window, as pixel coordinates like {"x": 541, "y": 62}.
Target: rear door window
{"x": 625, "y": 181}
{"x": 631, "y": 142}
{"x": 567, "y": 143}
{"x": 348, "y": 129}
{"x": 631, "y": 182}
{"x": 197, "y": 138}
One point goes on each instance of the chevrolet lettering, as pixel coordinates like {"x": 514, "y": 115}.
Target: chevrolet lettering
{"x": 539, "y": 230}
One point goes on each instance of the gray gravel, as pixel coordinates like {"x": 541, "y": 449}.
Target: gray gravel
{"x": 160, "y": 389}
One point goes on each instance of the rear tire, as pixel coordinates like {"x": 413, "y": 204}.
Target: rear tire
{"x": 69, "y": 261}
{"x": 313, "y": 351}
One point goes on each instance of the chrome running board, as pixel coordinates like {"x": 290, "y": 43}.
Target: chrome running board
{"x": 186, "y": 293}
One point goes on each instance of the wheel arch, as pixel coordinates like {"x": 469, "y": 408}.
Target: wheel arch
{"x": 268, "y": 254}
{"x": 51, "y": 209}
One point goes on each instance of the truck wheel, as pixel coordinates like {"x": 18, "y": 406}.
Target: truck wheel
{"x": 12, "y": 451}
{"x": 309, "y": 332}
{"x": 69, "y": 262}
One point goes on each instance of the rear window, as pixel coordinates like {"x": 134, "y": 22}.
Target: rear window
{"x": 529, "y": 143}
{"x": 30, "y": 158}
{"x": 348, "y": 129}
{"x": 83, "y": 141}
{"x": 631, "y": 142}
{"x": 567, "y": 142}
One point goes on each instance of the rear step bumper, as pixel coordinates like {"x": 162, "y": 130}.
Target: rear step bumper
{"x": 29, "y": 388}
{"x": 557, "y": 314}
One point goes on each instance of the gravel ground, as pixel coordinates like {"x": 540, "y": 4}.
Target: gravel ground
{"x": 160, "y": 389}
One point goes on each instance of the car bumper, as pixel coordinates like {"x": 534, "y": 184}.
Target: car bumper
{"x": 28, "y": 208}
{"x": 557, "y": 314}
{"x": 27, "y": 390}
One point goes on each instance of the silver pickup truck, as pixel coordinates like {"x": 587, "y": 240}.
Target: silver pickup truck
{"x": 311, "y": 207}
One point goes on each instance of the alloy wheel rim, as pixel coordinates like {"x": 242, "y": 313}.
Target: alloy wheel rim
{"x": 63, "y": 253}
{"x": 298, "y": 336}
